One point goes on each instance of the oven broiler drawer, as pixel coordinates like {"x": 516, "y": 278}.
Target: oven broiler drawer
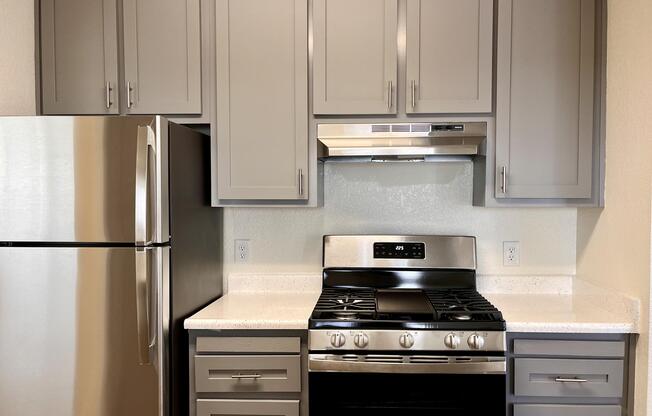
{"x": 247, "y": 373}
{"x": 568, "y": 378}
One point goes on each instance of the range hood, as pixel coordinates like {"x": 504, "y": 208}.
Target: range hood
{"x": 401, "y": 141}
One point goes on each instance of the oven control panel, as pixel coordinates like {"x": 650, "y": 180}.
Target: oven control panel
{"x": 399, "y": 251}
{"x": 397, "y": 340}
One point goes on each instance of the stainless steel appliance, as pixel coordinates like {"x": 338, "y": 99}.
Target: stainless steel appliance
{"x": 400, "y": 329}
{"x": 107, "y": 241}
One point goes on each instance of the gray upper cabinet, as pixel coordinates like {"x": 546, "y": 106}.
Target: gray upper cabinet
{"x": 160, "y": 71}
{"x": 545, "y": 98}
{"x": 355, "y": 56}
{"x": 162, "y": 56}
{"x": 79, "y": 57}
{"x": 449, "y": 46}
{"x": 261, "y": 124}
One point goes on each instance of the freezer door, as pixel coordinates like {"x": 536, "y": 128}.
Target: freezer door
{"x": 70, "y": 344}
{"x": 83, "y": 179}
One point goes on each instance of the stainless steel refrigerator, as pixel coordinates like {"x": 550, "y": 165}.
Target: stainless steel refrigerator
{"x": 107, "y": 241}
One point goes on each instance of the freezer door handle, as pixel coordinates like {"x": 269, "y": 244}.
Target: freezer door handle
{"x": 143, "y": 301}
{"x": 146, "y": 140}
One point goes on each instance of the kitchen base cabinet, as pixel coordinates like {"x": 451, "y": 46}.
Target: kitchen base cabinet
{"x": 247, "y": 407}
{"x": 248, "y": 372}
{"x": 563, "y": 410}
{"x": 569, "y": 374}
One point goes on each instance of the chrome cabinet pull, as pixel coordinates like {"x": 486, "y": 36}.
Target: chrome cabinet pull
{"x": 301, "y": 182}
{"x": 413, "y": 93}
{"x": 390, "y": 96}
{"x": 570, "y": 380}
{"x": 503, "y": 179}
{"x": 130, "y": 103}
{"x": 245, "y": 376}
{"x": 107, "y": 92}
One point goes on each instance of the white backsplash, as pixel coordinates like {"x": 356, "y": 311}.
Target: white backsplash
{"x": 415, "y": 198}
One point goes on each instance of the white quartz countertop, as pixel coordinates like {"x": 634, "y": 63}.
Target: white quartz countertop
{"x": 286, "y": 302}
{"x": 559, "y": 314}
{"x": 256, "y": 310}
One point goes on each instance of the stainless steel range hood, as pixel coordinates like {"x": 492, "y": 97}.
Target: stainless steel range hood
{"x": 401, "y": 141}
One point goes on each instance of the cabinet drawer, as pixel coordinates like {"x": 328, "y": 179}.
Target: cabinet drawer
{"x": 247, "y": 373}
{"x": 565, "y": 410}
{"x": 247, "y": 407}
{"x": 615, "y": 349}
{"x": 568, "y": 378}
{"x": 240, "y": 345}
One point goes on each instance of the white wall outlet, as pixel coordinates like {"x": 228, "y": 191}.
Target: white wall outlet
{"x": 511, "y": 253}
{"x": 241, "y": 251}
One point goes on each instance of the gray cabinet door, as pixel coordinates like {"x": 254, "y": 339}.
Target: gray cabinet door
{"x": 162, "y": 57}
{"x": 544, "y": 108}
{"x": 262, "y": 99}
{"x": 206, "y": 407}
{"x": 565, "y": 410}
{"x": 79, "y": 57}
{"x": 354, "y": 56}
{"x": 449, "y": 56}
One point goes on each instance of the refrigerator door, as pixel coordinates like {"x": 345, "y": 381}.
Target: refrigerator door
{"x": 70, "y": 344}
{"x": 84, "y": 179}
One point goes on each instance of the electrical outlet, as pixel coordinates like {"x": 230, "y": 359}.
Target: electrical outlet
{"x": 241, "y": 251}
{"x": 511, "y": 253}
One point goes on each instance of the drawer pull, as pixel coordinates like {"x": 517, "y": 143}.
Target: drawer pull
{"x": 570, "y": 380}
{"x": 245, "y": 376}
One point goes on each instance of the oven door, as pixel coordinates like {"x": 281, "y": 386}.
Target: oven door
{"x": 398, "y": 385}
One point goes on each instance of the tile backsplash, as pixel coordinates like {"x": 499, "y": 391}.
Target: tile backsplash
{"x": 409, "y": 198}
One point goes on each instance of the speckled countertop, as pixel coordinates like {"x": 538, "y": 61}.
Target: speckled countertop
{"x": 529, "y": 304}
{"x": 274, "y": 301}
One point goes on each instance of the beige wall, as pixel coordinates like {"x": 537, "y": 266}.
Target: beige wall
{"x": 17, "y": 62}
{"x": 614, "y": 244}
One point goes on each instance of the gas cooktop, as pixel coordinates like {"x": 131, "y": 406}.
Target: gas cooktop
{"x": 403, "y": 293}
{"x": 449, "y": 308}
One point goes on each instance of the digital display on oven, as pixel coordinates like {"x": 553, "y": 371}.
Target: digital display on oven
{"x": 399, "y": 251}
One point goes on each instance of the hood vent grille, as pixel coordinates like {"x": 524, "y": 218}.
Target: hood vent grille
{"x": 409, "y": 141}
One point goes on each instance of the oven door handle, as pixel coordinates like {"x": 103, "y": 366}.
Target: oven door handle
{"x": 448, "y": 365}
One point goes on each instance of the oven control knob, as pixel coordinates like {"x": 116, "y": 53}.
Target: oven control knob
{"x": 361, "y": 340}
{"x": 406, "y": 340}
{"x": 338, "y": 339}
{"x": 476, "y": 342}
{"x": 452, "y": 341}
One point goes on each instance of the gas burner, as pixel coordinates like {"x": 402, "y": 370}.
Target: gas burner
{"x": 462, "y": 317}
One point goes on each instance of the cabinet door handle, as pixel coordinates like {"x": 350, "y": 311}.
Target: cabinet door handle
{"x": 413, "y": 93}
{"x": 130, "y": 103}
{"x": 245, "y": 376}
{"x": 503, "y": 179}
{"x": 107, "y": 93}
{"x": 301, "y": 182}
{"x": 570, "y": 380}
{"x": 390, "y": 96}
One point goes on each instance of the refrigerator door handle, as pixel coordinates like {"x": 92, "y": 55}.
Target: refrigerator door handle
{"x": 146, "y": 140}
{"x": 143, "y": 294}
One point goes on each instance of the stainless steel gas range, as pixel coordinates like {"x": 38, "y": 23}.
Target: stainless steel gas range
{"x": 400, "y": 329}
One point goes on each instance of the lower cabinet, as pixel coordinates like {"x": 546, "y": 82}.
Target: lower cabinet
{"x": 569, "y": 374}
{"x": 247, "y": 407}
{"x": 252, "y": 373}
{"x": 565, "y": 410}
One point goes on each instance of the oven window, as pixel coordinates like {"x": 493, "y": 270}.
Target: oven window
{"x": 363, "y": 394}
